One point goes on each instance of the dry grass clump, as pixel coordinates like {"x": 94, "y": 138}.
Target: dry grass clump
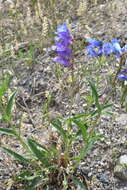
{"x": 82, "y": 8}
{"x": 34, "y": 21}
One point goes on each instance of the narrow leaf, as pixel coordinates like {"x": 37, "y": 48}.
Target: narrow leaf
{"x": 10, "y": 104}
{"x": 8, "y": 132}
{"x": 78, "y": 116}
{"x": 39, "y": 145}
{"x": 40, "y": 155}
{"x": 23, "y": 175}
{"x": 107, "y": 106}
{"x": 95, "y": 95}
{"x": 5, "y": 85}
{"x": 60, "y": 130}
{"x": 83, "y": 127}
{"x": 16, "y": 155}
{"x": 35, "y": 183}
{"x": 79, "y": 184}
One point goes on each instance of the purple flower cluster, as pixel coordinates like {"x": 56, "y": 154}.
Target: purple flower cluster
{"x": 63, "y": 41}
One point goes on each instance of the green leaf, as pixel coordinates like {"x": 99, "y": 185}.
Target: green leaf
{"x": 78, "y": 116}
{"x": 124, "y": 94}
{"x": 40, "y": 154}
{"x": 62, "y": 132}
{"x": 34, "y": 2}
{"x": 79, "y": 184}
{"x": 95, "y": 95}
{"x": 35, "y": 183}
{"x": 5, "y": 85}
{"x": 8, "y": 132}
{"x": 83, "y": 127}
{"x": 10, "y": 105}
{"x": 87, "y": 147}
{"x": 106, "y": 106}
{"x": 23, "y": 175}
{"x": 16, "y": 155}
{"x": 39, "y": 145}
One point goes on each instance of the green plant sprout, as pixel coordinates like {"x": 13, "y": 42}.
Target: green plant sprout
{"x": 6, "y": 106}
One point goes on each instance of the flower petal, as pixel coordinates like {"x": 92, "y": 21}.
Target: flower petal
{"x": 123, "y": 77}
{"x": 124, "y": 49}
{"x": 93, "y": 42}
{"x": 107, "y": 48}
{"x": 63, "y": 61}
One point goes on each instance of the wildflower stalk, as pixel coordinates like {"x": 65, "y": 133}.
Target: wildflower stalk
{"x": 121, "y": 63}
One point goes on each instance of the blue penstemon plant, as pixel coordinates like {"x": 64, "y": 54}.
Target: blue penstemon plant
{"x": 98, "y": 49}
{"x": 123, "y": 77}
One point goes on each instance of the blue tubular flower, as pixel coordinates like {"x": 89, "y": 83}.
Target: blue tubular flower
{"x": 107, "y": 48}
{"x": 116, "y": 48}
{"x": 124, "y": 71}
{"x": 124, "y": 49}
{"x": 97, "y": 48}
{"x": 91, "y": 51}
{"x": 63, "y": 41}
{"x": 123, "y": 77}
{"x": 93, "y": 42}
{"x": 126, "y": 62}
{"x": 94, "y": 48}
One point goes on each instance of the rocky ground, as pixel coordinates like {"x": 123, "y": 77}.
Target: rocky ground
{"x": 102, "y": 167}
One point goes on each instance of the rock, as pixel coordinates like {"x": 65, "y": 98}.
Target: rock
{"x": 120, "y": 170}
{"x": 123, "y": 159}
{"x": 122, "y": 119}
{"x": 104, "y": 178}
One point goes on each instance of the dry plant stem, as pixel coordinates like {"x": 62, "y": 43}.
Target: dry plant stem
{"x": 29, "y": 114}
{"x": 72, "y": 89}
{"x": 115, "y": 78}
{"x": 121, "y": 63}
{"x": 72, "y": 73}
{"x": 19, "y": 125}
